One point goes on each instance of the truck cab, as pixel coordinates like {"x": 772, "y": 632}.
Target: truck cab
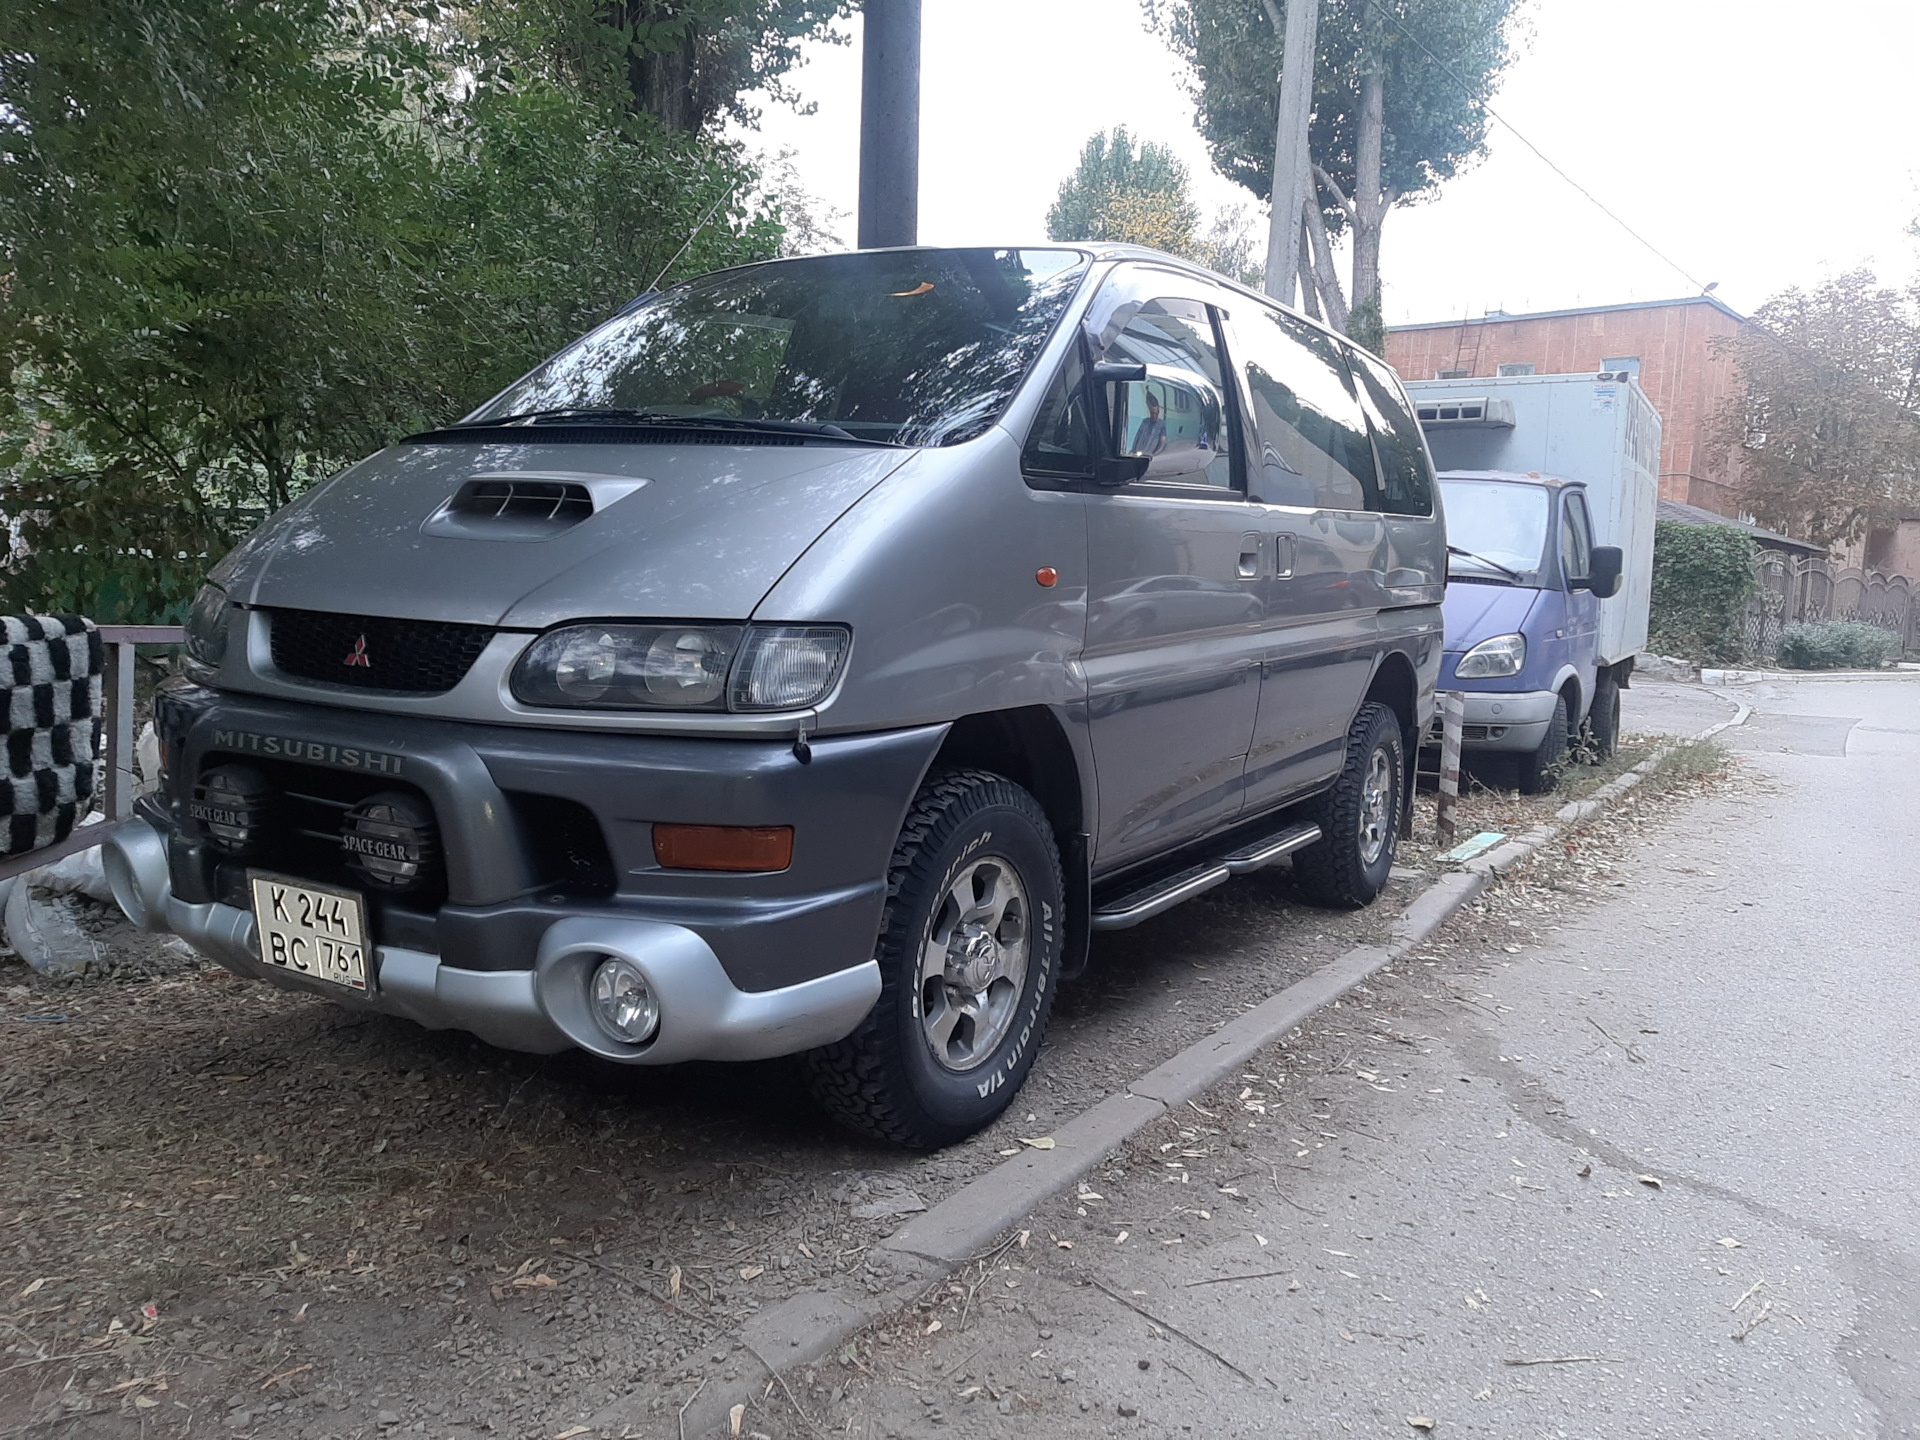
{"x": 1525, "y": 585}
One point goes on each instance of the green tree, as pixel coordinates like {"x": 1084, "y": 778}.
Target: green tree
{"x": 1828, "y": 417}
{"x": 683, "y": 63}
{"x": 243, "y": 245}
{"x": 1399, "y": 107}
{"x": 1125, "y": 191}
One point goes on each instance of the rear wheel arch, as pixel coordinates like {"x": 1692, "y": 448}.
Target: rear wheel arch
{"x": 1395, "y": 686}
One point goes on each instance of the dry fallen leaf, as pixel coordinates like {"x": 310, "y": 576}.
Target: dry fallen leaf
{"x": 1045, "y": 1142}
{"x": 932, "y": 1326}
{"x": 1420, "y": 1422}
{"x": 32, "y": 1289}
{"x": 1121, "y": 1238}
{"x": 1730, "y": 1243}
{"x": 734, "y": 1417}
{"x": 575, "y": 1430}
{"x": 752, "y": 1271}
{"x": 541, "y": 1281}
{"x": 673, "y": 1281}
{"x": 1652, "y": 1182}
{"x": 1014, "y": 1151}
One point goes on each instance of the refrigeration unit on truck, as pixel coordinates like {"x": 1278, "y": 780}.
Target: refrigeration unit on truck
{"x": 1550, "y": 484}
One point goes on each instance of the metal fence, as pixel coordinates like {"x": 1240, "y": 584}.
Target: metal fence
{"x": 1799, "y": 589}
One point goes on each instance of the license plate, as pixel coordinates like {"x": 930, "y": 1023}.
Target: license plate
{"x": 311, "y": 930}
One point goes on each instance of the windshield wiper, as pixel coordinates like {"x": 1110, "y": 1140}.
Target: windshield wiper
{"x": 1490, "y": 564}
{"x": 613, "y": 415}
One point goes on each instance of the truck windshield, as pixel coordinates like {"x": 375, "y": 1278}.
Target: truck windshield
{"x": 910, "y": 347}
{"x": 1497, "y": 521}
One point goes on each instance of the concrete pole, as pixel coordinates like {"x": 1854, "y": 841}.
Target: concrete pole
{"x": 890, "y": 124}
{"x": 1292, "y": 183}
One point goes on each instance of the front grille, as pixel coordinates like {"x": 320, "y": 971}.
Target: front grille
{"x": 368, "y": 652}
{"x": 303, "y": 838}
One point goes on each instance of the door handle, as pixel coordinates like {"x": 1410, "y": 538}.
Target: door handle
{"x": 1283, "y": 557}
{"x": 1251, "y": 545}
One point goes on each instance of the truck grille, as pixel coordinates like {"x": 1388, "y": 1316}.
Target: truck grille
{"x": 370, "y": 652}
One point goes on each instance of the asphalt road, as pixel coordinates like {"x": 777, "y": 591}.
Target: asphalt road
{"x": 1635, "y": 1160}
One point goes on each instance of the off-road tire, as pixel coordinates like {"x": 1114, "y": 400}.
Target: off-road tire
{"x": 1333, "y": 871}
{"x": 1538, "y": 771}
{"x": 882, "y": 1081}
{"x": 1602, "y": 728}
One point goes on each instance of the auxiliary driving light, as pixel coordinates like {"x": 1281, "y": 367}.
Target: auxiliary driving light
{"x": 389, "y": 839}
{"x": 623, "y": 1001}
{"x": 232, "y": 803}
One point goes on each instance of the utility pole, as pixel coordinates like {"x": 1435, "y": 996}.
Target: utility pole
{"x": 890, "y": 124}
{"x": 1292, "y": 179}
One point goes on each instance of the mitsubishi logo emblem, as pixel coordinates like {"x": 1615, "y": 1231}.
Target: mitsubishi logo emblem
{"x": 359, "y": 655}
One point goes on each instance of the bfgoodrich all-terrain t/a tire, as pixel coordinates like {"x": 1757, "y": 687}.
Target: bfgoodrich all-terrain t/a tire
{"x": 1359, "y": 818}
{"x": 969, "y": 951}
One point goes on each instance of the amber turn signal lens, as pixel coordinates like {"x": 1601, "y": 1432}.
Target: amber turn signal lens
{"x": 723, "y": 847}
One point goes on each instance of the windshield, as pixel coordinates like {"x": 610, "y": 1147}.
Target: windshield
{"x": 915, "y": 347}
{"x": 1500, "y": 522}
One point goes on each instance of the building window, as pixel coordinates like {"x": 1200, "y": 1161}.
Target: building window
{"x": 1506, "y": 370}
{"x": 1629, "y": 363}
{"x": 1453, "y": 374}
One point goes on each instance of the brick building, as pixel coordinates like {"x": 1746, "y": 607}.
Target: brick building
{"x": 1667, "y": 344}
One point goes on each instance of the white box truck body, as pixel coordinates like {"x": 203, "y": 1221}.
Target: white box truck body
{"x": 1600, "y": 429}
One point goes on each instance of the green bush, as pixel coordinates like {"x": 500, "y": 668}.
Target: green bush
{"x": 1702, "y": 576}
{"x": 1838, "y": 645}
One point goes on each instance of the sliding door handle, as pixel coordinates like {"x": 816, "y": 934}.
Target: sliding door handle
{"x": 1251, "y": 547}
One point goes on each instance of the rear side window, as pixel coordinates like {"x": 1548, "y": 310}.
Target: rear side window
{"x": 1312, "y": 431}
{"x": 1406, "y": 476}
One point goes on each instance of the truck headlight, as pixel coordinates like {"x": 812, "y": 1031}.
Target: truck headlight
{"x": 207, "y": 626}
{"x": 680, "y": 667}
{"x": 1490, "y": 659}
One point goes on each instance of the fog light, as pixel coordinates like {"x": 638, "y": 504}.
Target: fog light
{"x": 232, "y": 804}
{"x": 389, "y": 839}
{"x": 624, "y": 1001}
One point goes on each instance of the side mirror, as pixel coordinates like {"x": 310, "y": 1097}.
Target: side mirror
{"x": 1119, "y": 469}
{"x": 1604, "y": 572}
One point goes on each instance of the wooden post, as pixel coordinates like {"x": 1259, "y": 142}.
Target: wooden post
{"x": 1453, "y": 714}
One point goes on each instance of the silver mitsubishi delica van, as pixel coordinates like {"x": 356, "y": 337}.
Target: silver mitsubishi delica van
{"x": 807, "y": 662}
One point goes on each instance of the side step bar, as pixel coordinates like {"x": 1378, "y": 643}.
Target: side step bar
{"x": 1143, "y": 904}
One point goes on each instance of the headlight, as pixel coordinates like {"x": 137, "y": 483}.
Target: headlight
{"x": 1490, "y": 659}
{"x": 681, "y": 667}
{"x": 207, "y": 626}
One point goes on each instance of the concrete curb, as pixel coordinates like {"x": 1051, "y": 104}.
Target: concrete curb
{"x": 1723, "y": 678}
{"x": 807, "y": 1327}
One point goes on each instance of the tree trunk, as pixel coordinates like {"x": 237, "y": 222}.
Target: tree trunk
{"x": 1370, "y": 199}
{"x": 1326, "y": 278}
{"x": 1309, "y": 287}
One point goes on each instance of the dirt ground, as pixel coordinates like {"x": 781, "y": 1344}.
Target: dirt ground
{"x": 225, "y": 1209}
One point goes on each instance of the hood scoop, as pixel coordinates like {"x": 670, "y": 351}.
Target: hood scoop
{"x": 526, "y": 504}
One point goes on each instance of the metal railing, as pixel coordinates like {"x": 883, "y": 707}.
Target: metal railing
{"x": 117, "y": 789}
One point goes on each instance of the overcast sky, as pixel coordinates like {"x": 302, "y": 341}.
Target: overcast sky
{"x": 1757, "y": 143}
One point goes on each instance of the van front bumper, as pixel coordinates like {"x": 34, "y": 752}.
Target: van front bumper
{"x": 1501, "y": 722}
{"x": 704, "y": 1016}
{"x": 743, "y": 967}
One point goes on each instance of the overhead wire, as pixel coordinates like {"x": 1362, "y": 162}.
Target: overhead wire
{"x": 1496, "y": 116}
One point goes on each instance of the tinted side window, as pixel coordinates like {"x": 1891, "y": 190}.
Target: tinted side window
{"x": 1312, "y": 432}
{"x": 1177, "y": 416}
{"x": 1406, "y": 477}
{"x": 1061, "y": 441}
